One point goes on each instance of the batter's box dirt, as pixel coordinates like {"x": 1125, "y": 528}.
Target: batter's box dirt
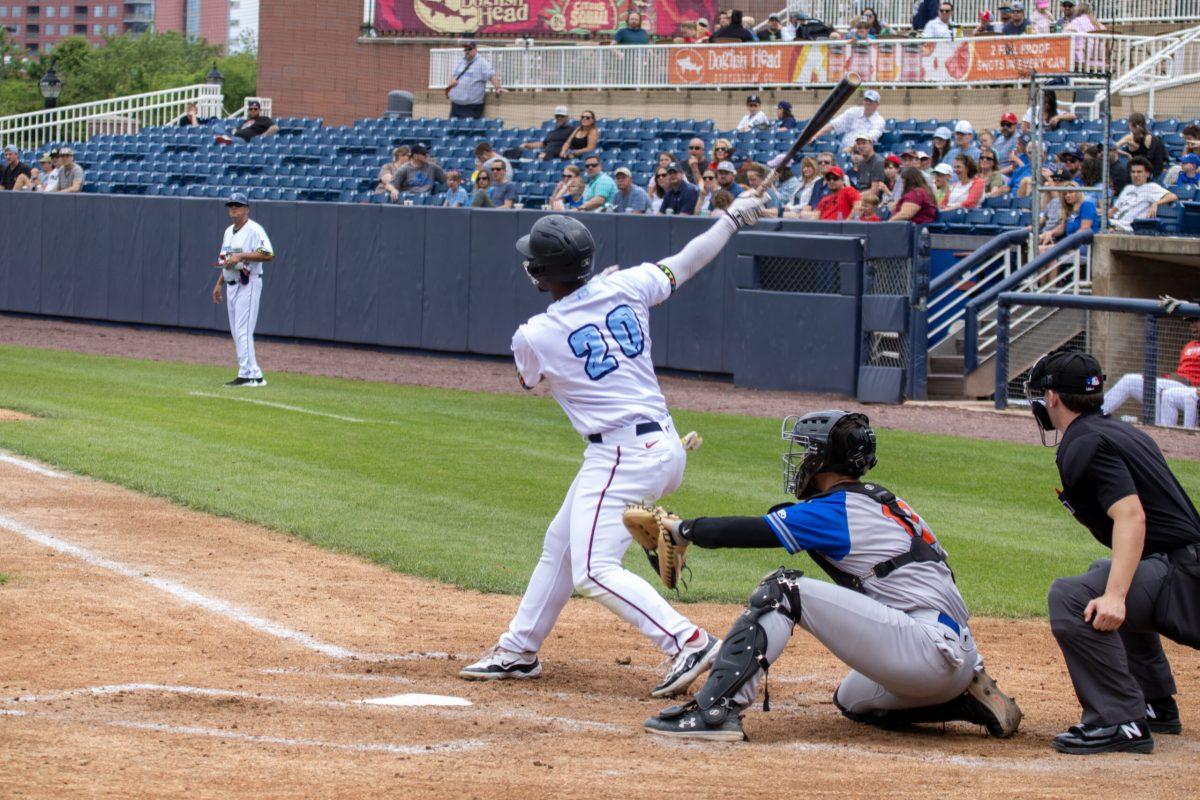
{"x": 111, "y": 687}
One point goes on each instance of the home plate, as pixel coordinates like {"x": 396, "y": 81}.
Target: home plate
{"x": 418, "y": 700}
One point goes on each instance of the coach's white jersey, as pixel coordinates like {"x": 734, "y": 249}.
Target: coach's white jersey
{"x": 250, "y": 238}
{"x": 594, "y": 348}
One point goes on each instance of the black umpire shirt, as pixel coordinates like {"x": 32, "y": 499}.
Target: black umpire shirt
{"x": 1102, "y": 460}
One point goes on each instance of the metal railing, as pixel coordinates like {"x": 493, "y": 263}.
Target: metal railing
{"x": 1008, "y": 60}
{"x": 78, "y": 123}
{"x": 263, "y": 102}
{"x": 1175, "y": 61}
{"x": 950, "y": 292}
{"x": 898, "y": 14}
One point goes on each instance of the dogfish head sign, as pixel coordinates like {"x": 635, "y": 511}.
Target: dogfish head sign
{"x": 535, "y": 17}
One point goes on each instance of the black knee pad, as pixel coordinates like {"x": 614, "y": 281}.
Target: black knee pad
{"x": 773, "y": 589}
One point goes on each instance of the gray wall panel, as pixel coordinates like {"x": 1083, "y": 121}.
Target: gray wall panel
{"x": 447, "y": 279}
{"x": 402, "y": 279}
{"x": 21, "y": 264}
{"x": 283, "y": 304}
{"x": 156, "y": 245}
{"x": 308, "y": 264}
{"x": 492, "y": 314}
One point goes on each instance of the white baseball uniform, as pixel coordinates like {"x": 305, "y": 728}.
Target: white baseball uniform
{"x": 242, "y": 299}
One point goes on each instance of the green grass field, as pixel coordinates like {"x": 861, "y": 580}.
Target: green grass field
{"x": 459, "y": 486}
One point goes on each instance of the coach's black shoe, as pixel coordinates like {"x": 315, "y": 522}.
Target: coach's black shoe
{"x": 688, "y": 722}
{"x": 1086, "y": 740}
{"x": 240, "y": 382}
{"x": 1162, "y": 715}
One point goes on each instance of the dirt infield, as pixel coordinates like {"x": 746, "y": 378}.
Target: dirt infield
{"x": 151, "y": 651}
{"x": 975, "y": 420}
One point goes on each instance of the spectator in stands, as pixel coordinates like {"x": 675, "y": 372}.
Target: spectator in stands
{"x": 191, "y": 117}
{"x": 870, "y": 169}
{"x": 722, "y": 151}
{"x": 867, "y": 209}
{"x": 658, "y": 188}
{"x": 1175, "y": 392}
{"x": 555, "y": 141}
{"x": 1140, "y": 199}
{"x": 1191, "y": 138}
{"x": 942, "y": 26}
{"x": 1078, "y": 214}
{"x": 1082, "y": 20}
{"x": 727, "y": 178}
{"x": 1189, "y": 171}
{"x": 968, "y": 190}
{"x": 708, "y": 188}
{"x": 1072, "y": 162}
{"x": 925, "y": 162}
{"x": 734, "y": 31}
{"x": 1051, "y": 116}
{"x": 703, "y": 32}
{"x": 1017, "y": 25}
{"x": 860, "y": 31}
{"x": 568, "y": 171}
{"x": 756, "y": 174}
{"x": 839, "y": 199}
{"x": 926, "y": 11}
{"x": 569, "y": 194}
{"x": 722, "y": 19}
{"x": 917, "y": 202}
{"x": 1090, "y": 173}
{"x": 697, "y": 161}
{"x": 456, "y": 196}
{"x": 485, "y": 155}
{"x": 748, "y": 22}
{"x": 754, "y": 119}
{"x": 387, "y": 172}
{"x": 70, "y": 174}
{"x": 994, "y": 182}
{"x": 632, "y": 32}
{"x": 421, "y": 176}
{"x": 584, "y": 139}
{"x": 806, "y": 184}
{"x": 940, "y": 147}
{"x": 774, "y": 30}
{"x": 964, "y": 142}
{"x": 985, "y": 139}
{"x": 941, "y": 183}
{"x": 466, "y": 91}
{"x": 1140, "y": 142}
{"x": 876, "y": 25}
{"x": 853, "y": 121}
{"x": 1040, "y": 21}
{"x": 16, "y": 175}
{"x": 503, "y": 193}
{"x": 786, "y": 185}
{"x": 681, "y": 196}
{"x": 1068, "y": 12}
{"x": 46, "y": 174}
{"x": 893, "y": 186}
{"x": 1007, "y": 139}
{"x": 689, "y": 33}
{"x": 629, "y": 198}
{"x": 255, "y": 124}
{"x": 984, "y": 28}
{"x": 1019, "y": 183}
{"x": 600, "y": 188}
{"x": 785, "y": 120}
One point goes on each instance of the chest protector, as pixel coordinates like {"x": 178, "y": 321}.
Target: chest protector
{"x": 919, "y": 549}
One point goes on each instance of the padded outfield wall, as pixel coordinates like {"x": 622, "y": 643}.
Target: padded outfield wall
{"x": 445, "y": 279}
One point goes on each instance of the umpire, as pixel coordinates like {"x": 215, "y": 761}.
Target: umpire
{"x": 1107, "y": 621}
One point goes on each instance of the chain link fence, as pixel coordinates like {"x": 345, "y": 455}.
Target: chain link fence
{"x": 889, "y": 276}
{"x": 799, "y": 275}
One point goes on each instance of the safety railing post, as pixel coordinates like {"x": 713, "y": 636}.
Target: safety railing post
{"x": 1001, "y": 397}
{"x": 1149, "y": 370}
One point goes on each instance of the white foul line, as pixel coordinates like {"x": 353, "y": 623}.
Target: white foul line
{"x": 183, "y": 593}
{"x": 282, "y": 406}
{"x": 32, "y": 467}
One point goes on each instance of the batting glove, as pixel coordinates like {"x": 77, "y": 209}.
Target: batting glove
{"x": 746, "y": 210}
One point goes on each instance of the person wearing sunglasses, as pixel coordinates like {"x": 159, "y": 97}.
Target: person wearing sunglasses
{"x": 600, "y": 187}
{"x": 658, "y": 190}
{"x": 1006, "y": 140}
{"x": 472, "y": 74}
{"x": 483, "y": 183}
{"x": 555, "y": 139}
{"x": 941, "y": 26}
{"x": 584, "y": 139}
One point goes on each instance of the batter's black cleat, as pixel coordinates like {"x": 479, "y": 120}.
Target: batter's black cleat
{"x": 1086, "y": 740}
{"x": 992, "y": 708}
{"x": 692, "y": 660}
{"x": 687, "y": 722}
{"x": 1162, "y": 716}
{"x": 499, "y": 664}
{"x": 238, "y": 382}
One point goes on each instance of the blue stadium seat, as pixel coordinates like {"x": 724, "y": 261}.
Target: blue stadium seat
{"x": 1185, "y": 193}
{"x": 1006, "y": 218}
{"x": 997, "y": 202}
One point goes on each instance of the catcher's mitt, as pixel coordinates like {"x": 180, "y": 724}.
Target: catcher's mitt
{"x": 645, "y": 524}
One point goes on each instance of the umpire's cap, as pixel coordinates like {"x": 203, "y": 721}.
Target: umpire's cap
{"x": 557, "y": 249}
{"x": 1067, "y": 372}
{"x": 237, "y": 199}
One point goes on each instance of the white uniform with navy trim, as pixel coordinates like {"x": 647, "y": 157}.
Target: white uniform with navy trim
{"x": 242, "y": 299}
{"x": 593, "y": 347}
{"x": 905, "y": 637}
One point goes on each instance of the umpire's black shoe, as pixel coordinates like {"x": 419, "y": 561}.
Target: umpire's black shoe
{"x": 1162, "y": 715}
{"x": 1086, "y": 740}
{"x": 241, "y": 382}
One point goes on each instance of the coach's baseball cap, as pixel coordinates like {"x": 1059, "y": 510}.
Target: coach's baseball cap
{"x": 674, "y": 166}
{"x": 944, "y": 169}
{"x": 1190, "y": 158}
{"x": 1068, "y": 371}
{"x": 942, "y": 133}
{"x": 623, "y": 171}
{"x": 871, "y": 96}
{"x": 419, "y": 149}
{"x": 835, "y": 172}
{"x": 726, "y": 166}
{"x": 1008, "y": 117}
{"x": 561, "y": 111}
{"x": 237, "y": 199}
{"x": 964, "y": 126}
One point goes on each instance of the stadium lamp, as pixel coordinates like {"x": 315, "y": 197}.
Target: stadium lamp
{"x": 50, "y": 86}
{"x": 214, "y": 75}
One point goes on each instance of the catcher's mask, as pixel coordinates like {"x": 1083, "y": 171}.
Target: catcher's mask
{"x": 1066, "y": 371}
{"x": 825, "y": 441}
{"x": 557, "y": 249}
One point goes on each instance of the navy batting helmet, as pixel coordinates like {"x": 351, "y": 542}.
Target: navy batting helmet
{"x": 825, "y": 441}
{"x": 557, "y": 249}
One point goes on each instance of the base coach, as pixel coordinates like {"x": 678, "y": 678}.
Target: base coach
{"x": 1108, "y": 620}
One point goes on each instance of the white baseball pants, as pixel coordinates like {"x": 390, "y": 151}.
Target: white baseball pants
{"x": 1130, "y": 388}
{"x": 897, "y": 660}
{"x": 586, "y": 540}
{"x": 241, "y": 300}
{"x": 1179, "y": 400}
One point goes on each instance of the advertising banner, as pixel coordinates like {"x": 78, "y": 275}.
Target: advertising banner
{"x": 535, "y": 17}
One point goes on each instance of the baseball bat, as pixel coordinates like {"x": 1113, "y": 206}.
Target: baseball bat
{"x": 828, "y": 109}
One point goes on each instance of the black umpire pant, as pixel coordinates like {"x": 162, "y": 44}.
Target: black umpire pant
{"x": 1114, "y": 672}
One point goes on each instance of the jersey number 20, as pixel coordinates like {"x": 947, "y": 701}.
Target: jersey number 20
{"x": 590, "y": 344}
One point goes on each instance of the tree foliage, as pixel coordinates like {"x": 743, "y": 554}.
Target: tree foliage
{"x": 124, "y": 65}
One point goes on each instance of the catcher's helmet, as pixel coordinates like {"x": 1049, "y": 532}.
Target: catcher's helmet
{"x": 557, "y": 249}
{"x": 825, "y": 441}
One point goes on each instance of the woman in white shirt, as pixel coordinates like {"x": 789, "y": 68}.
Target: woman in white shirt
{"x": 808, "y": 180}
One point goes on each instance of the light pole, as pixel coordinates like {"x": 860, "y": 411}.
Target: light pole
{"x": 51, "y": 87}
{"x": 214, "y": 76}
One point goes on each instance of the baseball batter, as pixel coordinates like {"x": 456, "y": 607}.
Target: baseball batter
{"x": 593, "y": 347}
{"x": 243, "y": 251}
{"x": 895, "y": 615}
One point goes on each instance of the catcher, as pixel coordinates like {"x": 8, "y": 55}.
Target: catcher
{"x": 895, "y": 615}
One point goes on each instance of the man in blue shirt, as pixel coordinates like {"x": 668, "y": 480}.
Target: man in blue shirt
{"x": 471, "y": 76}
{"x": 632, "y": 33}
{"x": 600, "y": 188}
{"x": 630, "y": 198}
{"x": 681, "y": 196}
{"x": 1189, "y": 170}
